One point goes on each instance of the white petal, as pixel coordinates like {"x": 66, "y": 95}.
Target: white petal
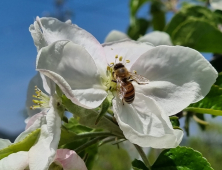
{"x": 35, "y": 81}
{"x": 145, "y": 124}
{"x": 35, "y": 122}
{"x": 156, "y": 38}
{"x": 48, "y": 84}
{"x": 15, "y": 161}
{"x": 54, "y": 30}
{"x": 115, "y": 35}
{"x": 42, "y": 154}
{"x": 39, "y": 117}
{"x": 178, "y": 76}
{"x": 129, "y": 50}
{"x": 68, "y": 21}
{"x": 69, "y": 160}
{"x": 216, "y": 4}
{"x": 4, "y": 143}
{"x": 74, "y": 71}
{"x": 37, "y": 36}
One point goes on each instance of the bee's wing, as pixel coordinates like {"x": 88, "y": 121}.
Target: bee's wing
{"x": 121, "y": 90}
{"x": 138, "y": 78}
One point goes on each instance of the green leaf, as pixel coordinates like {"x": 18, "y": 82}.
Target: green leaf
{"x": 158, "y": 15}
{"x": 104, "y": 107}
{"x": 138, "y": 28}
{"x": 219, "y": 80}
{"x": 196, "y": 27}
{"x": 139, "y": 165}
{"x": 23, "y": 145}
{"x": 135, "y": 5}
{"x": 198, "y": 12}
{"x": 91, "y": 152}
{"x": 181, "y": 158}
{"x": 74, "y": 126}
{"x": 87, "y": 117}
{"x": 66, "y": 137}
{"x": 211, "y": 104}
{"x": 198, "y": 34}
{"x": 174, "y": 121}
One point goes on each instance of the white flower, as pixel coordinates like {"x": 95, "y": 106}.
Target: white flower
{"x": 156, "y": 37}
{"x": 42, "y": 153}
{"x": 77, "y": 63}
{"x": 49, "y": 121}
{"x": 64, "y": 158}
{"x": 216, "y": 4}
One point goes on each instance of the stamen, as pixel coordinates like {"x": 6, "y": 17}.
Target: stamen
{"x": 134, "y": 72}
{"x": 35, "y": 96}
{"x": 120, "y": 58}
{"x": 108, "y": 68}
{"x": 127, "y": 61}
{"x": 43, "y": 99}
{"x": 112, "y": 63}
{"x": 116, "y": 58}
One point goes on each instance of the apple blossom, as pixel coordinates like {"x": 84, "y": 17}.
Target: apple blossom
{"x": 64, "y": 159}
{"x": 45, "y": 149}
{"x": 77, "y": 63}
{"x": 156, "y": 37}
{"x": 42, "y": 153}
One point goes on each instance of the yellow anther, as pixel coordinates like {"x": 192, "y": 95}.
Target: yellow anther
{"x": 120, "y": 58}
{"x": 127, "y": 61}
{"x": 31, "y": 107}
{"x": 37, "y": 101}
{"x": 134, "y": 72}
{"x": 116, "y": 56}
{"x": 35, "y": 96}
{"x": 112, "y": 63}
{"x": 108, "y": 68}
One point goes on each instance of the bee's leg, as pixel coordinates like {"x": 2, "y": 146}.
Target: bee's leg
{"x": 139, "y": 82}
{"x": 123, "y": 101}
{"x": 114, "y": 81}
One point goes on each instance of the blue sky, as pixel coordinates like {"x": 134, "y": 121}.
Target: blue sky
{"x": 18, "y": 53}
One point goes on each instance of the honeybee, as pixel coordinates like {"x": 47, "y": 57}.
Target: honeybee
{"x": 123, "y": 78}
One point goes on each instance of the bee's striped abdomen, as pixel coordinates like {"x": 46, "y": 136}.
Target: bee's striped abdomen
{"x": 130, "y": 93}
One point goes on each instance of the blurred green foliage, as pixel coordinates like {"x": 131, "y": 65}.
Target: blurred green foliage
{"x": 110, "y": 157}
{"x": 209, "y": 144}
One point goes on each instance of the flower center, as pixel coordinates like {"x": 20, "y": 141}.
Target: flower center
{"x": 113, "y": 71}
{"x": 41, "y": 100}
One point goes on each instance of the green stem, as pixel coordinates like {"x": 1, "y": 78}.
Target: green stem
{"x": 202, "y": 122}
{"x": 107, "y": 141}
{"x": 110, "y": 111}
{"x": 143, "y": 156}
{"x": 89, "y": 143}
{"x": 93, "y": 134}
{"x": 111, "y": 118}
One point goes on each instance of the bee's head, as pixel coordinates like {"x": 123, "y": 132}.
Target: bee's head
{"x": 118, "y": 65}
